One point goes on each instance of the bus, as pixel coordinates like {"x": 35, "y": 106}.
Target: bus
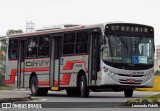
{"x": 82, "y": 59}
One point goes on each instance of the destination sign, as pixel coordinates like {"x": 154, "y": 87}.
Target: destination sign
{"x": 129, "y": 28}
{"x": 37, "y": 62}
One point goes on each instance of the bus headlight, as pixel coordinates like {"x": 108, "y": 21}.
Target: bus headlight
{"x": 110, "y": 74}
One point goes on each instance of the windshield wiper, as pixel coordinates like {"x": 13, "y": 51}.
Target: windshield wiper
{"x": 124, "y": 43}
{"x": 109, "y": 42}
{"x": 136, "y": 44}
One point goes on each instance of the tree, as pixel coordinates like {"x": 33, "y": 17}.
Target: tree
{"x": 157, "y": 72}
{"x": 11, "y": 31}
{"x": 3, "y": 47}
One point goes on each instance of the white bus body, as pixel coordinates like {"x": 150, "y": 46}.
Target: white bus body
{"x": 80, "y": 59}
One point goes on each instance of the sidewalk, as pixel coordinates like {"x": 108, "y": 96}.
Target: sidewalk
{"x": 14, "y": 95}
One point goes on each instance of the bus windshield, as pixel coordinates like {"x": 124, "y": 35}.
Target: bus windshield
{"x": 129, "y": 49}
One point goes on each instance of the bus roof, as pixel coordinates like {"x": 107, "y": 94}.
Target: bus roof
{"x": 55, "y": 30}
{"x": 65, "y": 29}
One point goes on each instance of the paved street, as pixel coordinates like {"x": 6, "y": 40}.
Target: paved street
{"x": 61, "y": 96}
{"x": 94, "y": 97}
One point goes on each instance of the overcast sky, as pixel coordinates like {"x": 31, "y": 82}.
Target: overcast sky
{"x": 14, "y": 13}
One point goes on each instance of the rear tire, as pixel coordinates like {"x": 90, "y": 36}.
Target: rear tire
{"x": 83, "y": 87}
{"x": 35, "y": 91}
{"x": 128, "y": 92}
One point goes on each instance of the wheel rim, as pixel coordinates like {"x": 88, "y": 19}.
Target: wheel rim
{"x": 82, "y": 86}
{"x": 34, "y": 87}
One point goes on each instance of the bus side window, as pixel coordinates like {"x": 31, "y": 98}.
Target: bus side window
{"x": 13, "y": 49}
{"x": 32, "y": 47}
{"x": 43, "y": 47}
{"x": 69, "y": 43}
{"x": 81, "y": 42}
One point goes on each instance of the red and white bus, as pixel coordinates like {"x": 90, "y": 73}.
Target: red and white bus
{"x": 81, "y": 59}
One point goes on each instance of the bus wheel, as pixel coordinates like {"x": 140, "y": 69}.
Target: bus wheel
{"x": 34, "y": 86}
{"x": 35, "y": 90}
{"x": 83, "y": 87}
{"x": 128, "y": 92}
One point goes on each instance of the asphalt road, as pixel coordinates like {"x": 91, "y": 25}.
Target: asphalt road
{"x": 110, "y": 97}
{"x": 93, "y": 97}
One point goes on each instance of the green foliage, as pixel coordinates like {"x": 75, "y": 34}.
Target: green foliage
{"x": 157, "y": 72}
{"x": 3, "y": 47}
{"x": 2, "y": 80}
{"x": 10, "y": 32}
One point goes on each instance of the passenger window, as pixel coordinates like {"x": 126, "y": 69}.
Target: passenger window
{"x": 69, "y": 43}
{"x": 43, "y": 49}
{"x": 82, "y": 42}
{"x": 32, "y": 47}
{"x": 13, "y": 49}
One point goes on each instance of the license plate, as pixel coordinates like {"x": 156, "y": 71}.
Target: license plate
{"x": 130, "y": 81}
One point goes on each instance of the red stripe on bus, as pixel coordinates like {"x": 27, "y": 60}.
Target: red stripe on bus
{"x": 70, "y": 63}
{"x": 65, "y": 80}
{"x": 65, "y": 77}
{"x": 43, "y": 83}
{"x": 11, "y": 80}
{"x": 13, "y": 73}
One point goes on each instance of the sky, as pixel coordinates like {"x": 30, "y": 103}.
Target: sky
{"x": 15, "y": 13}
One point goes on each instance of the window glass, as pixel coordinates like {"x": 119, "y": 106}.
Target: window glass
{"x": 81, "y": 47}
{"x": 69, "y": 43}
{"x": 69, "y": 38}
{"x": 81, "y": 42}
{"x": 13, "y": 43}
{"x": 43, "y": 41}
{"x": 13, "y": 49}
{"x": 32, "y": 42}
{"x": 43, "y": 49}
{"x": 32, "y": 47}
{"x": 82, "y": 37}
{"x": 68, "y": 49}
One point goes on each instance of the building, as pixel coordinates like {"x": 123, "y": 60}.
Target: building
{"x": 157, "y": 60}
{"x": 158, "y": 52}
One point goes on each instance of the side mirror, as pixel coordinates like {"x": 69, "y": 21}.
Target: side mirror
{"x": 102, "y": 47}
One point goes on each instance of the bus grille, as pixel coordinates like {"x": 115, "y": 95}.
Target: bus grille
{"x": 130, "y": 75}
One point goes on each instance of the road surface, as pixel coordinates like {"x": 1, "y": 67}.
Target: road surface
{"x": 104, "y": 97}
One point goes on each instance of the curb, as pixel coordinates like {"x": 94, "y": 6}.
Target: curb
{"x": 26, "y": 98}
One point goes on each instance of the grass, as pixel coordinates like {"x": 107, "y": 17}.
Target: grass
{"x": 147, "y": 99}
{"x": 153, "y": 98}
{"x": 6, "y": 87}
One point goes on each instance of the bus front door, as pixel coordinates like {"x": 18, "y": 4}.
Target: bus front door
{"x": 21, "y": 63}
{"x": 55, "y": 61}
{"x": 94, "y": 57}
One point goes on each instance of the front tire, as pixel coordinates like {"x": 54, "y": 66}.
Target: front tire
{"x": 128, "y": 92}
{"x": 83, "y": 87}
